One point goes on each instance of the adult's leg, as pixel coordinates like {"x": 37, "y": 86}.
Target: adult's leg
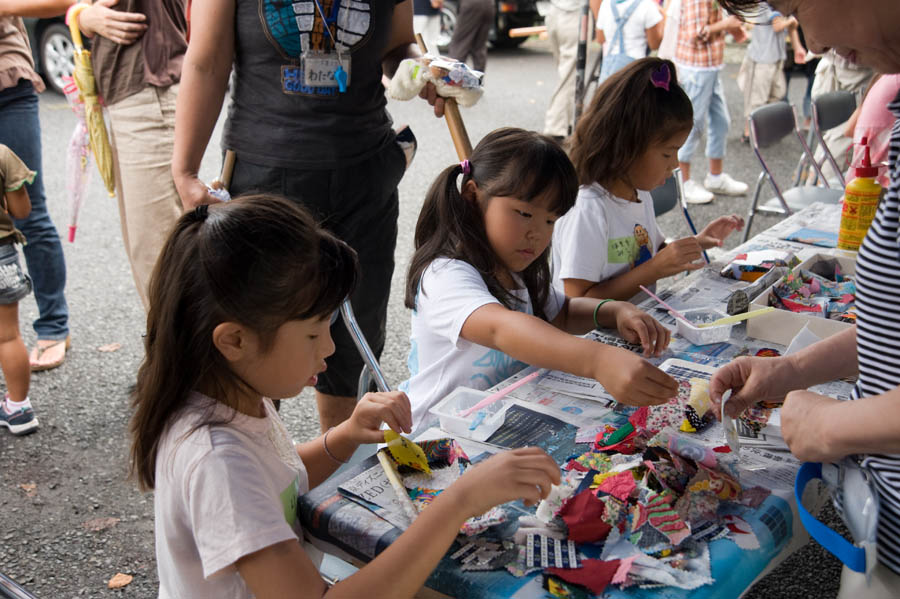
{"x": 20, "y": 130}
{"x": 142, "y": 133}
{"x": 473, "y": 23}
{"x": 719, "y": 121}
{"x": 480, "y": 43}
{"x": 698, "y": 86}
{"x": 563, "y": 29}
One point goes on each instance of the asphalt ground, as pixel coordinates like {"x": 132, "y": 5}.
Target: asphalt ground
{"x": 69, "y": 518}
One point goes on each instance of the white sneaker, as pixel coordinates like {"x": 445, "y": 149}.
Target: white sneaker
{"x": 726, "y": 185}
{"x": 695, "y": 194}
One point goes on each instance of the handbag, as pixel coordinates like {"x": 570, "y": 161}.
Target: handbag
{"x": 853, "y": 487}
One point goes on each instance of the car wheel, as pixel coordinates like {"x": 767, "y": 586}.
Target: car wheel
{"x": 57, "y": 55}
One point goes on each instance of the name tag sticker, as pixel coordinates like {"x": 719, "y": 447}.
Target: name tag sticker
{"x": 319, "y": 70}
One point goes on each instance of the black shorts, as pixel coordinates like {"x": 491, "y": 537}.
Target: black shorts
{"x": 359, "y": 204}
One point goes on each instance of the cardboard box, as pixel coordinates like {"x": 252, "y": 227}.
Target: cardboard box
{"x": 780, "y": 326}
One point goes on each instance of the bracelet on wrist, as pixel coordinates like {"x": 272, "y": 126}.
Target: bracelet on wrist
{"x": 328, "y": 452}
{"x": 597, "y": 309}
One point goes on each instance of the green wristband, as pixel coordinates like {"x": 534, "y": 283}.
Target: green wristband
{"x": 597, "y": 309}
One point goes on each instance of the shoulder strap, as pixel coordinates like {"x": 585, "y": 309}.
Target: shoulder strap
{"x": 619, "y": 36}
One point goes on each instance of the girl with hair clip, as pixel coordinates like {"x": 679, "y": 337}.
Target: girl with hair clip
{"x": 626, "y": 144}
{"x": 479, "y": 283}
{"x": 241, "y": 305}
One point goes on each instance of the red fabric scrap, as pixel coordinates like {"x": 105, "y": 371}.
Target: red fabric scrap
{"x": 582, "y": 515}
{"x": 620, "y": 485}
{"x": 593, "y": 574}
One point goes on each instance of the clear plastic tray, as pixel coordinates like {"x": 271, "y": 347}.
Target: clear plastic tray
{"x": 449, "y": 411}
{"x": 706, "y": 335}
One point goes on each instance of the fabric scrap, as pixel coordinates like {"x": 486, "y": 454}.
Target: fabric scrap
{"x": 594, "y": 574}
{"x": 621, "y": 574}
{"x": 550, "y": 505}
{"x": 740, "y": 531}
{"x": 583, "y": 514}
{"x": 545, "y": 552}
{"x": 621, "y": 485}
{"x": 664, "y": 518}
{"x": 478, "y": 524}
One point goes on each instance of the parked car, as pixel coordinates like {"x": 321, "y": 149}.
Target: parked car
{"x": 53, "y": 50}
{"x": 509, "y": 15}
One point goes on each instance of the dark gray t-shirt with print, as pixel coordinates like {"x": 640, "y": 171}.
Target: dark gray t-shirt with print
{"x": 275, "y": 117}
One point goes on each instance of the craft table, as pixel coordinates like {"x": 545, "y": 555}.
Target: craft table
{"x": 558, "y": 407}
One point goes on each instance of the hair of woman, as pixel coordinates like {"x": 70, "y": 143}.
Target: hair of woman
{"x": 508, "y": 162}
{"x": 258, "y": 260}
{"x": 629, "y": 111}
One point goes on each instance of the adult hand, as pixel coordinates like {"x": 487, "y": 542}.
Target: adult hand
{"x": 751, "y": 380}
{"x": 683, "y": 254}
{"x": 525, "y": 474}
{"x": 391, "y": 408}
{"x": 799, "y": 55}
{"x": 807, "y": 419}
{"x": 193, "y": 192}
{"x": 99, "y": 18}
{"x": 632, "y": 380}
{"x": 636, "y": 326}
{"x": 429, "y": 94}
{"x": 715, "y": 233}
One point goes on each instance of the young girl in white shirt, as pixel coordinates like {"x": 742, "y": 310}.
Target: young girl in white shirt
{"x": 241, "y": 305}
{"x": 479, "y": 283}
{"x": 624, "y": 145}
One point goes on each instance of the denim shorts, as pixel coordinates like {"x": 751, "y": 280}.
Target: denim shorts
{"x": 14, "y": 283}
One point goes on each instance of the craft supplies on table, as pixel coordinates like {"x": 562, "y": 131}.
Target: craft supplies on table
{"x": 690, "y": 326}
{"x": 780, "y": 326}
{"x": 479, "y": 425}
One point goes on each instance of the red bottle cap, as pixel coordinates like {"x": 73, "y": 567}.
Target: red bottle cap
{"x": 865, "y": 168}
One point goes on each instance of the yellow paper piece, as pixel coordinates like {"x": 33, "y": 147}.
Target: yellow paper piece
{"x": 406, "y": 452}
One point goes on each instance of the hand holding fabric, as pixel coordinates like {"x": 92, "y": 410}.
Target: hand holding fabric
{"x": 807, "y": 419}
{"x": 193, "y": 192}
{"x": 636, "y": 326}
{"x": 99, "y": 18}
{"x": 678, "y": 256}
{"x": 391, "y": 408}
{"x": 632, "y": 380}
{"x": 751, "y": 380}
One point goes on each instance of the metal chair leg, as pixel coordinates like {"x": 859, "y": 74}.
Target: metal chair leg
{"x": 368, "y": 356}
{"x": 753, "y": 205}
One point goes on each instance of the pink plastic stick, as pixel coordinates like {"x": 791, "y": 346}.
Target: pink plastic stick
{"x": 500, "y": 394}
{"x": 674, "y": 312}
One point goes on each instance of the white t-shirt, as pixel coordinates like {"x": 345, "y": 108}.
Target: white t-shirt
{"x": 439, "y": 359}
{"x": 634, "y": 32}
{"x": 223, "y": 491}
{"x": 603, "y": 236}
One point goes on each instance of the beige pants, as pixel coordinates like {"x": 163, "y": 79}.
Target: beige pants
{"x": 562, "y": 31}
{"x": 142, "y": 134}
{"x": 885, "y": 584}
{"x": 761, "y": 83}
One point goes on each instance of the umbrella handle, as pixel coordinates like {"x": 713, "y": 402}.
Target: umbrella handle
{"x": 72, "y": 22}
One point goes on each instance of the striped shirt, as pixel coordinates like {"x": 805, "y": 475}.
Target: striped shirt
{"x": 878, "y": 339}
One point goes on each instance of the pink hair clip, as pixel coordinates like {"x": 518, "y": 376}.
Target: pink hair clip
{"x": 661, "y": 76}
{"x": 466, "y": 166}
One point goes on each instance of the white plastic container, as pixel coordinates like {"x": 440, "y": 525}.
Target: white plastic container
{"x": 705, "y": 335}
{"x": 449, "y": 410}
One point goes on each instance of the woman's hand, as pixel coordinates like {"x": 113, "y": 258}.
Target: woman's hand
{"x": 715, "y": 233}
{"x": 525, "y": 474}
{"x": 678, "y": 256}
{"x": 123, "y": 28}
{"x": 193, "y": 192}
{"x": 807, "y": 421}
{"x": 391, "y": 408}
{"x": 636, "y": 326}
{"x": 751, "y": 380}
{"x": 632, "y": 380}
{"x": 430, "y": 95}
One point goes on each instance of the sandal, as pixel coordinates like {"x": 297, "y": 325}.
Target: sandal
{"x": 37, "y": 353}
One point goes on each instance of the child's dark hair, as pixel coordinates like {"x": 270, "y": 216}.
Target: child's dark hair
{"x": 258, "y": 260}
{"x": 627, "y": 114}
{"x": 507, "y": 162}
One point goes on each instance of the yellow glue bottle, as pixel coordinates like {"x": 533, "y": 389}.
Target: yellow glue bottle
{"x": 860, "y": 202}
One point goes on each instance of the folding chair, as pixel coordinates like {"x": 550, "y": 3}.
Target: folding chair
{"x": 10, "y": 590}
{"x": 371, "y": 369}
{"x": 828, "y": 111}
{"x": 768, "y": 125}
{"x": 665, "y": 197}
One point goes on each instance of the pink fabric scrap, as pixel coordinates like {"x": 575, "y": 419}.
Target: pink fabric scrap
{"x": 620, "y": 485}
{"x": 621, "y": 574}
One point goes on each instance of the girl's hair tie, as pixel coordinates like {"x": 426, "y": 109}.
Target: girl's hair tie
{"x": 201, "y": 211}
{"x": 661, "y": 76}
{"x": 466, "y": 167}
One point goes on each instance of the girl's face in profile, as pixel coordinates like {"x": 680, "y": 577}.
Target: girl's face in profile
{"x": 518, "y": 231}
{"x": 656, "y": 164}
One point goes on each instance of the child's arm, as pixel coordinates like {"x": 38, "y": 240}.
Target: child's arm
{"x": 636, "y": 326}
{"x": 17, "y": 203}
{"x": 284, "y": 569}
{"x": 780, "y": 23}
{"x": 718, "y": 230}
{"x": 671, "y": 259}
{"x": 627, "y": 377}
{"x": 363, "y": 426}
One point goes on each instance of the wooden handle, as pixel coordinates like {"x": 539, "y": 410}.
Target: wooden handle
{"x": 420, "y": 41}
{"x": 527, "y": 31}
{"x": 457, "y": 129}
{"x": 227, "y": 169}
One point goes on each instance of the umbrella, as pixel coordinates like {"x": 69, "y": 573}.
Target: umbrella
{"x": 78, "y": 158}
{"x": 93, "y": 113}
